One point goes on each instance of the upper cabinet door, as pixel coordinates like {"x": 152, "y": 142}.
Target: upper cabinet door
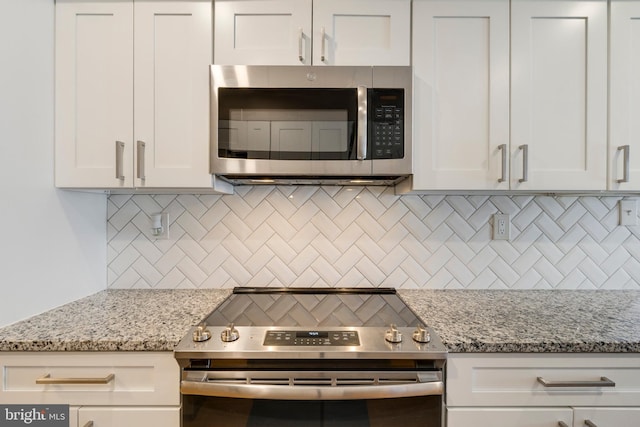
{"x": 361, "y": 32}
{"x": 461, "y": 105}
{"x": 624, "y": 136}
{"x": 559, "y": 94}
{"x": 94, "y": 94}
{"x": 262, "y": 32}
{"x": 173, "y": 51}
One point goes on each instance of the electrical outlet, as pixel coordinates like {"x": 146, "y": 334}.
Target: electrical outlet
{"x": 160, "y": 225}
{"x": 501, "y": 227}
{"x": 628, "y": 212}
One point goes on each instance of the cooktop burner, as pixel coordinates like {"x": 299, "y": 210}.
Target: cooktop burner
{"x": 313, "y": 307}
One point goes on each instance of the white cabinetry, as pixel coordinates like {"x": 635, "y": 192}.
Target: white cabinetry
{"x": 306, "y": 32}
{"x": 507, "y": 389}
{"x": 461, "y": 66}
{"x": 117, "y": 389}
{"x": 558, "y": 94}
{"x": 556, "y": 110}
{"x": 624, "y": 127}
{"x": 120, "y": 60}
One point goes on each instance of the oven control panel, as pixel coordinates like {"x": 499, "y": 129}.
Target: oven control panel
{"x": 311, "y": 338}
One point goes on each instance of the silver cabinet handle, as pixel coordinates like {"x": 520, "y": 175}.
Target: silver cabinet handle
{"x": 119, "y": 155}
{"x": 141, "y": 147}
{"x": 322, "y": 44}
{"x": 300, "y": 57}
{"x": 625, "y": 163}
{"x": 61, "y": 381}
{"x": 362, "y": 123}
{"x": 503, "y": 149}
{"x": 590, "y": 423}
{"x": 525, "y": 163}
{"x": 562, "y": 424}
{"x": 88, "y": 424}
{"x": 604, "y": 382}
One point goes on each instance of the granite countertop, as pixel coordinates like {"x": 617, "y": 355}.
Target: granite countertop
{"x": 467, "y": 321}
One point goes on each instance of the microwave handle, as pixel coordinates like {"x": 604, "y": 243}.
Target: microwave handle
{"x": 362, "y": 123}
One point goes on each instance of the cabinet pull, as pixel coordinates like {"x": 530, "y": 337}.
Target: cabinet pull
{"x": 604, "y": 382}
{"x": 322, "y": 44}
{"x": 562, "y": 424}
{"x": 525, "y": 163}
{"x": 48, "y": 380}
{"x": 503, "y": 149}
{"x": 88, "y": 424}
{"x": 362, "y": 123}
{"x": 300, "y": 57}
{"x": 141, "y": 146}
{"x": 625, "y": 163}
{"x": 590, "y": 423}
{"x": 119, "y": 154}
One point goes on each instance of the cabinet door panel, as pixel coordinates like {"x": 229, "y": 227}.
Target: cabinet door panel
{"x": 94, "y": 93}
{"x": 559, "y": 94}
{"x": 172, "y": 55}
{"x": 625, "y": 94}
{"x": 129, "y": 417}
{"x": 361, "y": 32}
{"x": 605, "y": 417}
{"x": 263, "y": 32}
{"x": 461, "y": 65}
{"x": 508, "y": 417}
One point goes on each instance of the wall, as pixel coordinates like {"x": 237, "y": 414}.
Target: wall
{"x": 330, "y": 236}
{"x": 52, "y": 243}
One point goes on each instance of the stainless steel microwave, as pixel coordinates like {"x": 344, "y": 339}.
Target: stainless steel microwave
{"x": 311, "y": 125}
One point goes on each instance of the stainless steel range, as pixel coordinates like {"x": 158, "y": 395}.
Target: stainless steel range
{"x": 312, "y": 357}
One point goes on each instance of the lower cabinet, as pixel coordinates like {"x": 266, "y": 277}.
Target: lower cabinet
{"x": 103, "y": 389}
{"x": 543, "y": 390}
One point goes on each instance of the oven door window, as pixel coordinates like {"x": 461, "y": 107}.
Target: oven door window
{"x": 287, "y": 124}
{"x": 201, "y": 411}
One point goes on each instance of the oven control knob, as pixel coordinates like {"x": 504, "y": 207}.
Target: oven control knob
{"x": 393, "y": 334}
{"x": 201, "y": 333}
{"x": 421, "y": 335}
{"x": 229, "y": 334}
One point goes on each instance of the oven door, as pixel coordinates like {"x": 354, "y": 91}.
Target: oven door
{"x": 312, "y": 398}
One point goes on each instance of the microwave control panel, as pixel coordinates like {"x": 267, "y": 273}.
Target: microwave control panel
{"x": 386, "y": 123}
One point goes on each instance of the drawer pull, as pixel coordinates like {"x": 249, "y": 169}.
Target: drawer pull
{"x": 589, "y": 423}
{"x": 88, "y": 424}
{"x": 48, "y": 380}
{"x": 562, "y": 424}
{"x": 604, "y": 382}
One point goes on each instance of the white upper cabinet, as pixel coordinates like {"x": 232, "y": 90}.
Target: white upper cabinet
{"x": 624, "y": 130}
{"x": 173, "y": 51}
{"x": 94, "y": 94}
{"x": 461, "y": 102}
{"x": 262, "y": 32}
{"x": 361, "y": 32}
{"x": 559, "y": 94}
{"x": 306, "y": 32}
{"x": 107, "y": 73}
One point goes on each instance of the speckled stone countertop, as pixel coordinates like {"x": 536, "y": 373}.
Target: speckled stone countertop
{"x": 533, "y": 321}
{"x": 114, "y": 320}
{"x": 467, "y": 321}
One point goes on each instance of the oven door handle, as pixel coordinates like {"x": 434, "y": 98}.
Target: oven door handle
{"x": 287, "y": 392}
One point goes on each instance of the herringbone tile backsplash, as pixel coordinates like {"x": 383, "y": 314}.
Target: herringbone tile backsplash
{"x": 367, "y": 236}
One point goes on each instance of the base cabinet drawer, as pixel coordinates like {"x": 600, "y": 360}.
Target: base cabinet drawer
{"x": 606, "y": 417}
{"x": 575, "y": 380}
{"x": 118, "y": 378}
{"x": 128, "y": 417}
{"x": 508, "y": 417}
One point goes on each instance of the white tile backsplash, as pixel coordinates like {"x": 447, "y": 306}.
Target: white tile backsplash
{"x": 368, "y": 236}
